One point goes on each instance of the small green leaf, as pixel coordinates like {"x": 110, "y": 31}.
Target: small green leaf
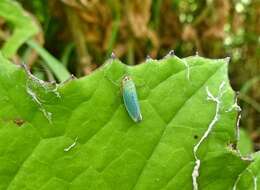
{"x": 80, "y": 136}
{"x": 24, "y": 26}
{"x": 24, "y": 29}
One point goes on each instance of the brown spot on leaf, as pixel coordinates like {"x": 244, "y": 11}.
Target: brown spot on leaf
{"x": 19, "y": 121}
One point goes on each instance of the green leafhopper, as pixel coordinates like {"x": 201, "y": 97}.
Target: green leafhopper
{"x": 130, "y": 99}
{"x": 129, "y": 94}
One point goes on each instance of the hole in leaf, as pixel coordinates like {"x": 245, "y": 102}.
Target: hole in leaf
{"x": 233, "y": 145}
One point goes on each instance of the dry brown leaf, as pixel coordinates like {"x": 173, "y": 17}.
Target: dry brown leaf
{"x": 138, "y": 13}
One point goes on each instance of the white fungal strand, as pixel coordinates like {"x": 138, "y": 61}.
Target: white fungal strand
{"x": 55, "y": 91}
{"x": 33, "y": 84}
{"x": 237, "y": 127}
{"x": 71, "y": 146}
{"x": 217, "y": 100}
{"x": 46, "y": 85}
{"x": 195, "y": 174}
{"x": 235, "y": 106}
{"x": 34, "y": 96}
{"x": 47, "y": 115}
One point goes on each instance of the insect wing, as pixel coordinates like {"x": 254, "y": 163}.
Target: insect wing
{"x": 131, "y": 101}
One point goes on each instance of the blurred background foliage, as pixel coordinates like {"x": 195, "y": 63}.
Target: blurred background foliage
{"x": 79, "y": 35}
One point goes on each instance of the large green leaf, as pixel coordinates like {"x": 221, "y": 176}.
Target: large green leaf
{"x": 80, "y": 136}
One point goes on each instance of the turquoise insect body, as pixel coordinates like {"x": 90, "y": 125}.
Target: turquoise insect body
{"x": 130, "y": 99}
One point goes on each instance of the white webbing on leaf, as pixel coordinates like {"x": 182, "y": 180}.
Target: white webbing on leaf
{"x": 47, "y": 115}
{"x": 217, "y": 100}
